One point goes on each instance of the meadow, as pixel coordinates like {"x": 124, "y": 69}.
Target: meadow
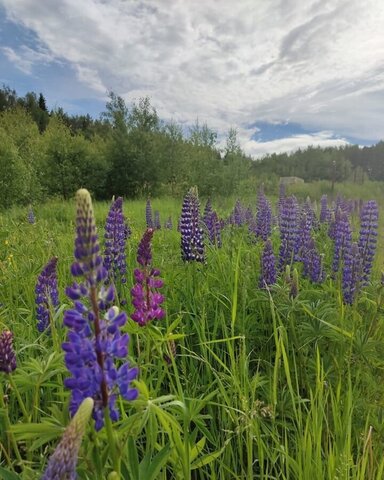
{"x": 238, "y": 380}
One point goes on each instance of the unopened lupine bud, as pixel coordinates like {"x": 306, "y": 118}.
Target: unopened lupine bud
{"x": 63, "y": 461}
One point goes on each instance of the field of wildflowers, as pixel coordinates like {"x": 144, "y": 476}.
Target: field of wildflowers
{"x": 172, "y": 340}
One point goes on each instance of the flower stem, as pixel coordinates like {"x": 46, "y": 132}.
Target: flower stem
{"x": 112, "y": 444}
{"x": 8, "y": 430}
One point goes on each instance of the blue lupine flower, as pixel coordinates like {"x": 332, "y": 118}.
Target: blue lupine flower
{"x": 145, "y": 297}
{"x": 95, "y": 350}
{"x": 148, "y": 214}
{"x": 192, "y": 244}
{"x": 368, "y": 238}
{"x": 288, "y": 231}
{"x": 116, "y": 235}
{"x": 31, "y": 216}
{"x": 156, "y": 223}
{"x": 47, "y": 296}
{"x": 313, "y": 263}
{"x": 263, "y": 225}
{"x": 212, "y": 224}
{"x": 237, "y": 217}
{"x": 268, "y": 266}
{"x": 303, "y": 237}
{"x": 342, "y": 235}
{"x": 325, "y": 214}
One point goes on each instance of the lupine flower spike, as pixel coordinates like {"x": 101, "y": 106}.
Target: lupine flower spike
{"x": 288, "y": 231}
{"x": 268, "y": 266}
{"x": 7, "y": 353}
{"x": 263, "y": 225}
{"x": 145, "y": 298}
{"x": 212, "y": 224}
{"x": 96, "y": 350}
{"x": 351, "y": 273}
{"x": 324, "y": 211}
{"x": 47, "y": 296}
{"x": 157, "y": 223}
{"x": 192, "y": 245}
{"x": 148, "y": 214}
{"x": 342, "y": 236}
{"x": 62, "y": 464}
{"x": 116, "y": 234}
{"x": 368, "y": 238}
{"x": 31, "y": 216}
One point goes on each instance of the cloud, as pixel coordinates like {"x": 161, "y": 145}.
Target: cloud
{"x": 323, "y": 139}
{"x": 24, "y": 58}
{"x": 318, "y": 64}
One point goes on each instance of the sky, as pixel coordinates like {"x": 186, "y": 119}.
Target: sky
{"x": 285, "y": 73}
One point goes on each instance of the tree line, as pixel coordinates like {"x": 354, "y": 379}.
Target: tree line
{"x": 130, "y": 151}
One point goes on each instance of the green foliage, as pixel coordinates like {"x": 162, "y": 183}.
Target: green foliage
{"x": 262, "y": 385}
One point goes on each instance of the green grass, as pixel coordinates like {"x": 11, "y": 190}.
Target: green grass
{"x": 263, "y": 386}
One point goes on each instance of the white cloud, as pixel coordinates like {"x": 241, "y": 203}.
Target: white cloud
{"x": 24, "y": 58}
{"x": 290, "y": 144}
{"x": 315, "y": 63}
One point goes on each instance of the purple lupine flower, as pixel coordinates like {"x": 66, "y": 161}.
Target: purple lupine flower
{"x": 342, "y": 234}
{"x": 156, "y": 223}
{"x": 351, "y": 274}
{"x": 94, "y": 343}
{"x": 47, "y": 296}
{"x": 168, "y": 223}
{"x": 145, "y": 297}
{"x": 7, "y": 353}
{"x": 148, "y": 214}
{"x": 309, "y": 209}
{"x": 324, "y": 211}
{"x": 248, "y": 215}
{"x": 192, "y": 244}
{"x": 213, "y": 227}
{"x": 212, "y": 224}
{"x": 62, "y": 463}
{"x": 268, "y": 266}
{"x": 207, "y": 211}
{"x": 368, "y": 238}
{"x": 313, "y": 263}
{"x": 31, "y": 216}
{"x": 116, "y": 234}
{"x": 303, "y": 237}
{"x": 288, "y": 231}
{"x": 237, "y": 216}
{"x": 263, "y": 226}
